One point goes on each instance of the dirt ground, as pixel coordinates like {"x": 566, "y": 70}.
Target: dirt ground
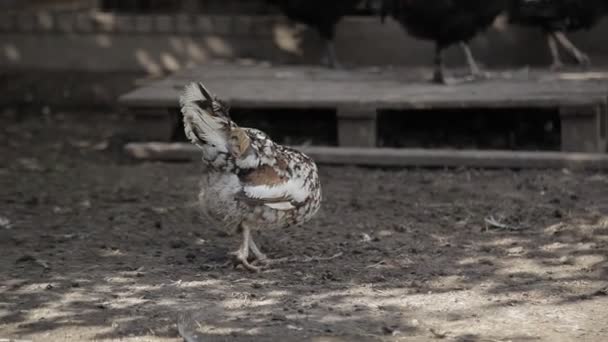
{"x": 97, "y": 247}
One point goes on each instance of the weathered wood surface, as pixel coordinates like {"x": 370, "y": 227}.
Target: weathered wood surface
{"x": 310, "y": 87}
{"x": 390, "y": 157}
{"x": 356, "y": 95}
{"x": 584, "y": 129}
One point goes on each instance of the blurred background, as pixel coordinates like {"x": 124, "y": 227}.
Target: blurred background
{"x": 421, "y": 234}
{"x": 61, "y": 54}
{"x": 163, "y": 36}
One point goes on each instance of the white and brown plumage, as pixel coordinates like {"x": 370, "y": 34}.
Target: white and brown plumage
{"x": 249, "y": 181}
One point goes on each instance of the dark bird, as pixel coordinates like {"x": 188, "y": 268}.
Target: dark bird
{"x": 321, "y": 15}
{"x": 248, "y": 181}
{"x": 556, "y": 18}
{"x": 445, "y": 22}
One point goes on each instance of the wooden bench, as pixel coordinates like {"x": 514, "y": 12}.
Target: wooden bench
{"x": 357, "y": 95}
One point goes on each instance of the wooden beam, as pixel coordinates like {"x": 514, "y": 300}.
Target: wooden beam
{"x": 357, "y": 126}
{"x": 390, "y": 157}
{"x": 582, "y": 129}
{"x": 153, "y": 124}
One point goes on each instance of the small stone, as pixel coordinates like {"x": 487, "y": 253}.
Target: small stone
{"x": 401, "y": 228}
{"x": 384, "y": 233}
{"x": 178, "y": 244}
{"x": 32, "y": 201}
{"x": 365, "y": 237}
{"x": 486, "y": 262}
{"x": 278, "y": 317}
{"x": 25, "y": 258}
{"x": 515, "y": 250}
{"x": 438, "y": 333}
{"x": 393, "y": 331}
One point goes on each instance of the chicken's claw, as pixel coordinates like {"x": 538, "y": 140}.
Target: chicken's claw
{"x": 239, "y": 258}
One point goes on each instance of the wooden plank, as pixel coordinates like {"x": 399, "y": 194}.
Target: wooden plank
{"x": 257, "y": 72}
{"x": 363, "y": 91}
{"x": 357, "y": 126}
{"x": 494, "y": 88}
{"x": 604, "y": 127}
{"x": 314, "y": 87}
{"x": 288, "y": 95}
{"x": 389, "y": 157}
{"x": 582, "y": 129}
{"x": 163, "y": 151}
{"x": 153, "y": 124}
{"x": 399, "y": 74}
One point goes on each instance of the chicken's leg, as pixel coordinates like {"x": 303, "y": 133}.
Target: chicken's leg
{"x": 557, "y": 61}
{"x": 473, "y": 66}
{"x": 580, "y": 57}
{"x": 260, "y": 257}
{"x": 331, "y": 58}
{"x": 438, "y": 74}
{"x": 241, "y": 255}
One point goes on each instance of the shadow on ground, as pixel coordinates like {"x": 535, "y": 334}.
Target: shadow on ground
{"x": 95, "y": 249}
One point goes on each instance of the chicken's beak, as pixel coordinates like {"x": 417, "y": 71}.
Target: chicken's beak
{"x": 205, "y": 92}
{"x": 208, "y": 97}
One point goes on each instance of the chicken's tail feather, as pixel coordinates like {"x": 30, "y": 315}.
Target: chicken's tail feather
{"x": 206, "y": 119}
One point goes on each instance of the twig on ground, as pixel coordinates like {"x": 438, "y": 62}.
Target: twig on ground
{"x": 305, "y": 260}
{"x": 42, "y": 263}
{"x": 492, "y": 222}
{"x": 379, "y": 263}
{"x": 318, "y": 258}
{"x": 438, "y": 333}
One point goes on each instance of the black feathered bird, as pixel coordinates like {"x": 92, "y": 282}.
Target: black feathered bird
{"x": 445, "y": 22}
{"x": 555, "y": 18}
{"x": 320, "y": 15}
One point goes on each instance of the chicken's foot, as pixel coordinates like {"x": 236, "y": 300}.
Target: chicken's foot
{"x": 438, "y": 74}
{"x": 557, "y": 61}
{"x": 241, "y": 255}
{"x": 580, "y": 56}
{"x": 259, "y": 256}
{"x": 474, "y": 69}
{"x": 331, "y": 57}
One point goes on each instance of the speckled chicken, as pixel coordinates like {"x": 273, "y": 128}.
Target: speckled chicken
{"x": 249, "y": 182}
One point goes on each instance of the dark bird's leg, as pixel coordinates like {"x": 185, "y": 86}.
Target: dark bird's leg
{"x": 241, "y": 255}
{"x": 473, "y": 66}
{"x": 557, "y": 62}
{"x": 580, "y": 56}
{"x": 331, "y": 58}
{"x": 438, "y": 74}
